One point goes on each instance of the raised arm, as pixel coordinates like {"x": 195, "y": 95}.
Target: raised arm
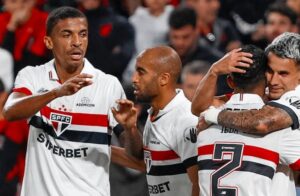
{"x": 22, "y": 106}
{"x": 126, "y": 115}
{"x": 206, "y": 89}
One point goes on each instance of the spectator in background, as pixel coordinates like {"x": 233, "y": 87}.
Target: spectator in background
{"x": 151, "y": 28}
{"x": 112, "y": 38}
{"x": 190, "y": 3}
{"x": 13, "y": 139}
{"x": 183, "y": 37}
{"x": 6, "y": 69}
{"x": 247, "y": 17}
{"x": 22, "y": 32}
{"x": 279, "y": 19}
{"x": 191, "y": 75}
{"x": 295, "y": 5}
{"x": 151, "y": 24}
{"x": 125, "y": 7}
{"x": 215, "y": 32}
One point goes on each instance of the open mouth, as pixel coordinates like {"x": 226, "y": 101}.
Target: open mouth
{"x": 76, "y": 55}
{"x": 136, "y": 90}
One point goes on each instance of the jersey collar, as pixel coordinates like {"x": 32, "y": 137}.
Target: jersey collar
{"x": 87, "y": 68}
{"x": 241, "y": 99}
{"x": 177, "y": 100}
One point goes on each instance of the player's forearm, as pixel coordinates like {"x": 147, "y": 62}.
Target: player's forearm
{"x": 120, "y": 157}
{"x": 205, "y": 92}
{"x": 193, "y": 176}
{"x": 195, "y": 190}
{"x": 134, "y": 142}
{"x": 25, "y": 107}
{"x": 261, "y": 121}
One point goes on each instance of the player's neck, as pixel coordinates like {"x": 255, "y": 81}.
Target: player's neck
{"x": 159, "y": 102}
{"x": 66, "y": 73}
{"x": 257, "y": 91}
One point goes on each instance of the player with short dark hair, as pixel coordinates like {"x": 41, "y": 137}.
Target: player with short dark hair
{"x": 228, "y": 157}
{"x": 60, "y": 14}
{"x": 67, "y": 103}
{"x": 255, "y": 73}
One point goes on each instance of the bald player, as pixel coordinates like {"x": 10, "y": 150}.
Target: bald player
{"x": 169, "y": 140}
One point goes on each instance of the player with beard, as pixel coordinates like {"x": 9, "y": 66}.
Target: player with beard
{"x": 168, "y": 145}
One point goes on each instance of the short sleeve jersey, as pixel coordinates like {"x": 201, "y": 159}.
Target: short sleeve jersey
{"x": 170, "y": 148}
{"x": 290, "y": 102}
{"x": 68, "y": 149}
{"x": 235, "y": 163}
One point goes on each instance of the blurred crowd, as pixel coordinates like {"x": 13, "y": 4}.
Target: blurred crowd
{"x": 200, "y": 31}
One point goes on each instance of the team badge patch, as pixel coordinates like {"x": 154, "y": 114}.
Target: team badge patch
{"x": 60, "y": 122}
{"x": 190, "y": 134}
{"x": 148, "y": 160}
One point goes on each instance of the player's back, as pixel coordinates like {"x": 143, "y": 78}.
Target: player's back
{"x": 234, "y": 163}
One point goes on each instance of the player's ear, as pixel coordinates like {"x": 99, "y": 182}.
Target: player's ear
{"x": 298, "y": 75}
{"x": 48, "y": 42}
{"x": 230, "y": 82}
{"x": 164, "y": 79}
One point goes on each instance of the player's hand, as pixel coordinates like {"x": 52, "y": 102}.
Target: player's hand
{"x": 21, "y": 14}
{"x": 73, "y": 85}
{"x": 232, "y": 62}
{"x": 125, "y": 113}
{"x": 202, "y": 124}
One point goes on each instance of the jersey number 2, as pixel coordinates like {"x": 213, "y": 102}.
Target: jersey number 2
{"x": 235, "y": 151}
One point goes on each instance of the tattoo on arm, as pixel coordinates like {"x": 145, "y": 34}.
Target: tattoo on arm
{"x": 263, "y": 121}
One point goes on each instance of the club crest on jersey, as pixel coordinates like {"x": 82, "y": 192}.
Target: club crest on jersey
{"x": 148, "y": 160}
{"x": 60, "y": 122}
{"x": 190, "y": 134}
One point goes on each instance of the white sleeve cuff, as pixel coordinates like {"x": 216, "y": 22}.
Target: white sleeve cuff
{"x": 211, "y": 115}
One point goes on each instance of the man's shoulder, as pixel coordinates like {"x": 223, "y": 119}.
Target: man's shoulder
{"x": 183, "y": 116}
{"x": 289, "y": 97}
{"x": 35, "y": 68}
{"x": 100, "y": 75}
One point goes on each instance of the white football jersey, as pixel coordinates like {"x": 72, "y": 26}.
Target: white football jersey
{"x": 170, "y": 146}
{"x": 290, "y": 102}
{"x": 235, "y": 163}
{"x": 68, "y": 150}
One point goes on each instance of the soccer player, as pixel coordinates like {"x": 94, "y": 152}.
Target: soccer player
{"x": 232, "y": 162}
{"x": 169, "y": 139}
{"x": 282, "y": 76}
{"x": 67, "y": 102}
